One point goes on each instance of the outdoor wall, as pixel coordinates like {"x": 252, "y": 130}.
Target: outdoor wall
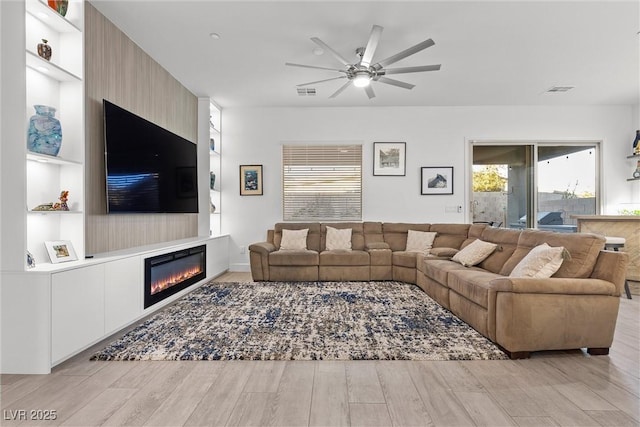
{"x": 435, "y": 136}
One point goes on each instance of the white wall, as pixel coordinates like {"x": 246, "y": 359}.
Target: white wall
{"x": 435, "y": 136}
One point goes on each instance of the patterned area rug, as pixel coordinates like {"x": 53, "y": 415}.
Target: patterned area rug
{"x": 303, "y": 321}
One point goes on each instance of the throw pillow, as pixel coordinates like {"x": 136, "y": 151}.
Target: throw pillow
{"x": 443, "y": 252}
{"x": 474, "y": 253}
{"x": 338, "y": 239}
{"x": 420, "y": 241}
{"x": 294, "y": 240}
{"x": 540, "y": 263}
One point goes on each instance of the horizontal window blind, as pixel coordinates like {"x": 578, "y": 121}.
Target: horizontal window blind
{"x": 322, "y": 182}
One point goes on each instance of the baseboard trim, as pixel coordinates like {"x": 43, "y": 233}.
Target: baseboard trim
{"x": 240, "y": 267}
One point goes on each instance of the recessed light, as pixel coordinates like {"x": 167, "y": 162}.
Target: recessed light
{"x": 318, "y": 51}
{"x": 214, "y": 36}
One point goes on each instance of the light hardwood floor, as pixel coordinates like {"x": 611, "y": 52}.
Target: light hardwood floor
{"x": 550, "y": 389}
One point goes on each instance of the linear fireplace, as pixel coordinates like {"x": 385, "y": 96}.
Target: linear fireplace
{"x": 166, "y": 274}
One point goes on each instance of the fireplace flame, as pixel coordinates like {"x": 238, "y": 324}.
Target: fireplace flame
{"x": 174, "y": 279}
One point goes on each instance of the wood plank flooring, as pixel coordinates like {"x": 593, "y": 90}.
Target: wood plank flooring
{"x": 550, "y": 389}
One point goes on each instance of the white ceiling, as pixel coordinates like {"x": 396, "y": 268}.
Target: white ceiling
{"x": 492, "y": 52}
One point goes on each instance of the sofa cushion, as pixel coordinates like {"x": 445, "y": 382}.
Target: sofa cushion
{"x": 395, "y": 234}
{"x": 583, "y": 251}
{"x": 507, "y": 241}
{"x": 293, "y": 258}
{"x": 450, "y": 235}
{"x": 420, "y": 241}
{"x": 294, "y": 240}
{"x": 438, "y": 269}
{"x": 540, "y": 263}
{"x": 405, "y": 259}
{"x": 443, "y": 252}
{"x": 343, "y": 257}
{"x": 372, "y": 233}
{"x": 472, "y": 283}
{"x": 338, "y": 239}
{"x": 313, "y": 237}
{"x": 357, "y": 234}
{"x": 474, "y": 253}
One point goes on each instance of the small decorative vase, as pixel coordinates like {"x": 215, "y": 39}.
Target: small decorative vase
{"x": 212, "y": 180}
{"x": 212, "y": 144}
{"x": 636, "y": 173}
{"x": 212, "y": 207}
{"x": 59, "y": 6}
{"x": 44, "y": 50}
{"x": 636, "y": 143}
{"x": 45, "y": 133}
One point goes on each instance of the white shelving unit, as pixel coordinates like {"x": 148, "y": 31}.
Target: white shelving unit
{"x": 215, "y": 164}
{"x": 636, "y": 159}
{"x": 57, "y": 83}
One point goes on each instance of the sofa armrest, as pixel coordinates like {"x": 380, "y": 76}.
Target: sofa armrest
{"x": 554, "y": 285}
{"x": 376, "y": 246}
{"x": 264, "y": 248}
{"x": 259, "y": 260}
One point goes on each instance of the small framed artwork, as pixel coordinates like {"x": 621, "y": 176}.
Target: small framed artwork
{"x": 60, "y": 251}
{"x": 251, "y": 180}
{"x": 436, "y": 180}
{"x": 389, "y": 158}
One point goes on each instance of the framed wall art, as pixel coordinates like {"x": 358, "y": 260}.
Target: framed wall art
{"x": 389, "y": 158}
{"x": 251, "y": 180}
{"x": 436, "y": 180}
{"x": 60, "y": 251}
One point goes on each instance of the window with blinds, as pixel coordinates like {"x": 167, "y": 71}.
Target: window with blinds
{"x": 322, "y": 182}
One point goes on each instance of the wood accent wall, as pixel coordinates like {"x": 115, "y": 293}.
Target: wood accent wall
{"x": 117, "y": 69}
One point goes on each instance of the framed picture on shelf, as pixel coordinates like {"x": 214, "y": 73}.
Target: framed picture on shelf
{"x": 251, "y": 180}
{"x": 389, "y": 158}
{"x": 436, "y": 180}
{"x": 60, "y": 251}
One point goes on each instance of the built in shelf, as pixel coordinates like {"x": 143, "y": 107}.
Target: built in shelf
{"x": 50, "y": 69}
{"x": 634, "y": 156}
{"x": 42, "y": 12}
{"x": 43, "y": 158}
{"x": 31, "y": 211}
{"x": 633, "y": 179}
{"x": 214, "y": 153}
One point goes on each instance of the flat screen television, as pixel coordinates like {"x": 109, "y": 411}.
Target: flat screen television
{"x": 149, "y": 169}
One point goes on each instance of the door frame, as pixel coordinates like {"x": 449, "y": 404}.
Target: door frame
{"x": 468, "y": 171}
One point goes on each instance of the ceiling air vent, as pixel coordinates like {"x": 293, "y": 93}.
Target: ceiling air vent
{"x": 558, "y": 89}
{"x": 303, "y": 91}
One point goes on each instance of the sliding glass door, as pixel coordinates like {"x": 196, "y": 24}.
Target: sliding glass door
{"x": 533, "y": 185}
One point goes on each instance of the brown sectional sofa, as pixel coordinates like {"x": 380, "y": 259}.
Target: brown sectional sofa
{"x": 576, "y": 308}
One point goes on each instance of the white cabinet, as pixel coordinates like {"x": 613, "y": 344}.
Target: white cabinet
{"x": 77, "y": 309}
{"x": 48, "y": 316}
{"x": 123, "y": 292}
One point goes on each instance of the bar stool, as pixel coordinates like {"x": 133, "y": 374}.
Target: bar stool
{"x": 615, "y": 244}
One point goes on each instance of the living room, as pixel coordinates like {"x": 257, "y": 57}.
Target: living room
{"x": 439, "y": 121}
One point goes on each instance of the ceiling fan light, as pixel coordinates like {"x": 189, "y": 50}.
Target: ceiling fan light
{"x": 361, "y": 80}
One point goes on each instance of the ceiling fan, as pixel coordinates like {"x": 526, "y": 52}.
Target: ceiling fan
{"x": 363, "y": 72}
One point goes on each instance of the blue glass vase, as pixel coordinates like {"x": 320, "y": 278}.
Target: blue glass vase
{"x": 45, "y": 132}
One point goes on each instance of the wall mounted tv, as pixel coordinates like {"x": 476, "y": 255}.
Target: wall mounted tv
{"x": 149, "y": 169}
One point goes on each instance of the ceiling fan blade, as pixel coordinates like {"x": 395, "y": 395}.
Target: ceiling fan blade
{"x": 369, "y": 90}
{"x": 328, "y": 48}
{"x": 314, "y": 67}
{"x": 321, "y": 81}
{"x": 394, "y": 82}
{"x": 407, "y": 52}
{"x": 372, "y": 44}
{"x": 412, "y": 69}
{"x": 339, "y": 91}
